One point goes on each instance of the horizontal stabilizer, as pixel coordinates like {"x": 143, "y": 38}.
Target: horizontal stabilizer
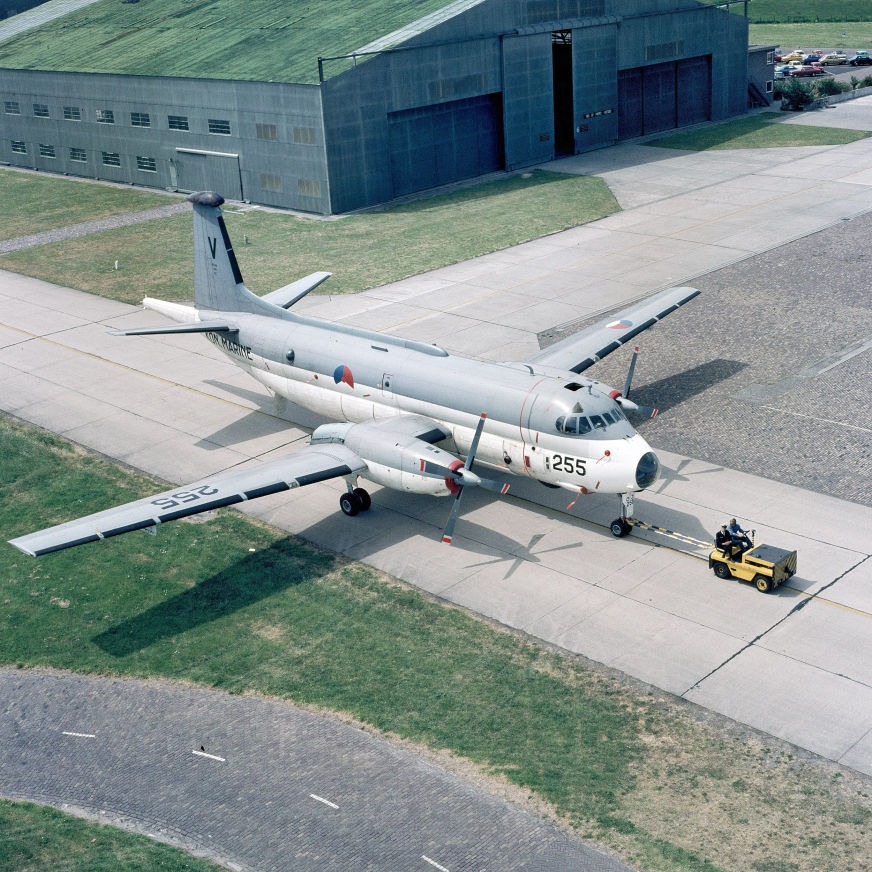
{"x": 199, "y": 327}
{"x": 285, "y": 297}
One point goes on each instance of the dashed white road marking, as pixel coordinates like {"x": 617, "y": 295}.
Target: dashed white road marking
{"x": 433, "y": 863}
{"x": 325, "y": 801}
{"x": 79, "y": 735}
{"x": 210, "y": 756}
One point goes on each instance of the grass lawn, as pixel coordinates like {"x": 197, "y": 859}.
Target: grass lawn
{"x": 818, "y": 34}
{"x": 35, "y": 839}
{"x": 630, "y": 767}
{"x": 759, "y": 131}
{"x": 362, "y": 251}
{"x": 33, "y": 202}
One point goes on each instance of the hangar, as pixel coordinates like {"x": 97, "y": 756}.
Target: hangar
{"x": 397, "y": 98}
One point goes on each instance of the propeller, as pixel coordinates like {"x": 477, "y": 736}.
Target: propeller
{"x": 460, "y": 475}
{"x": 622, "y": 398}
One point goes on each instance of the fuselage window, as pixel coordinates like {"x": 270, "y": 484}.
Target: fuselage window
{"x": 598, "y": 422}
{"x": 608, "y": 417}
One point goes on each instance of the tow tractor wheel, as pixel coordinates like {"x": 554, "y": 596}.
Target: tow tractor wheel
{"x": 764, "y": 584}
{"x": 620, "y": 527}
{"x": 721, "y": 570}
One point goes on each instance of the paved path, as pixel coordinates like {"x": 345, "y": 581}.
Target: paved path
{"x": 257, "y": 784}
{"x": 796, "y": 664}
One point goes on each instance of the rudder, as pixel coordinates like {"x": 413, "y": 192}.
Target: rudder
{"x": 218, "y": 284}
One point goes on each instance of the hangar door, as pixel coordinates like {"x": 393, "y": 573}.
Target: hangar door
{"x": 664, "y": 96}
{"x": 433, "y": 145}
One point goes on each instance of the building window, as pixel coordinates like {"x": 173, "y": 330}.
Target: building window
{"x": 111, "y": 159}
{"x": 140, "y": 119}
{"x": 270, "y": 182}
{"x": 309, "y": 187}
{"x": 40, "y": 110}
{"x": 146, "y": 164}
{"x": 78, "y": 154}
{"x": 304, "y": 135}
{"x": 216, "y": 125}
{"x": 177, "y": 122}
{"x": 19, "y": 147}
{"x": 267, "y": 131}
{"x": 770, "y": 57}
{"x": 105, "y": 116}
{"x": 46, "y": 150}
{"x": 72, "y": 113}
{"x": 12, "y": 107}
{"x": 769, "y": 87}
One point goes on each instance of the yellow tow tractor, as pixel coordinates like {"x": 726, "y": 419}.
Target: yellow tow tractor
{"x": 765, "y": 565}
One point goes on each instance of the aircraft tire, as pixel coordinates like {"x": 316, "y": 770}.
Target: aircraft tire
{"x": 364, "y": 497}
{"x": 350, "y": 504}
{"x": 763, "y": 583}
{"x": 619, "y": 528}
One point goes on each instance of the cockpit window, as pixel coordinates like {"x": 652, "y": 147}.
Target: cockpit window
{"x": 574, "y": 424}
{"x": 598, "y": 422}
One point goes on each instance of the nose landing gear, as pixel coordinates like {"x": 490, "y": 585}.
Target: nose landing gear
{"x": 623, "y": 525}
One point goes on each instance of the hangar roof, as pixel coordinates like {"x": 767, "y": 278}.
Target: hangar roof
{"x": 260, "y": 40}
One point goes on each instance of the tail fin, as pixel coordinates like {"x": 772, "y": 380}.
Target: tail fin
{"x": 218, "y": 284}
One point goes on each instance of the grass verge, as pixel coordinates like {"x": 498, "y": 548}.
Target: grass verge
{"x": 759, "y": 131}
{"x": 33, "y": 203}
{"x": 817, "y": 34}
{"x": 34, "y": 838}
{"x": 362, "y": 251}
{"x": 629, "y": 767}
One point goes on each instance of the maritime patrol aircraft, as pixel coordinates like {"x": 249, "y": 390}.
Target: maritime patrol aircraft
{"x": 406, "y": 412}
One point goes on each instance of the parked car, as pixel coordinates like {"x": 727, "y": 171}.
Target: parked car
{"x": 811, "y": 59}
{"x": 808, "y": 70}
{"x": 796, "y": 55}
{"x": 784, "y": 70}
{"x": 861, "y": 59}
{"x": 834, "y": 58}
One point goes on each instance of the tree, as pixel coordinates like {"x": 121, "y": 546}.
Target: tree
{"x": 795, "y": 95}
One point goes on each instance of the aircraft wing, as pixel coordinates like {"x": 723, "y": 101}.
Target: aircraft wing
{"x": 583, "y": 349}
{"x": 307, "y": 466}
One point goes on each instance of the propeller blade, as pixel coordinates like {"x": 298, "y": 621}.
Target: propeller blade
{"x": 463, "y": 471}
{"x": 462, "y": 476}
{"x": 629, "y": 405}
{"x": 628, "y": 382}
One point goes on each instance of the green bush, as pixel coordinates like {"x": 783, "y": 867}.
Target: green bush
{"x": 826, "y": 87}
{"x": 795, "y": 95}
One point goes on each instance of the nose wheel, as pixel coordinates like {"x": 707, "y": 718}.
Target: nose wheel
{"x": 622, "y": 526}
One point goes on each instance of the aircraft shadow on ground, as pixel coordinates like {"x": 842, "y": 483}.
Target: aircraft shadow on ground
{"x": 246, "y": 582}
{"x": 673, "y": 390}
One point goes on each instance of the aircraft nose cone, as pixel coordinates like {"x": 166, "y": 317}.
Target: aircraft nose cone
{"x": 647, "y": 470}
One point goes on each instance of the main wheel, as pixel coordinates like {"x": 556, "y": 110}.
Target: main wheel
{"x": 764, "y": 584}
{"x": 721, "y": 570}
{"x": 364, "y": 497}
{"x": 620, "y": 527}
{"x": 350, "y": 504}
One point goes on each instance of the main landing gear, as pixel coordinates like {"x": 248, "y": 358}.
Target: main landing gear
{"x": 622, "y": 526}
{"x": 354, "y": 500}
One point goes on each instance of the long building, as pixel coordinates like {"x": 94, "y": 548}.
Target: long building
{"x": 469, "y": 88}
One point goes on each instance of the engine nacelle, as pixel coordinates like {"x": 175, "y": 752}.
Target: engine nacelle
{"x": 393, "y": 458}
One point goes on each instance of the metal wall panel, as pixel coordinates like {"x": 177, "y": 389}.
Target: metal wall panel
{"x": 432, "y": 145}
{"x": 528, "y": 103}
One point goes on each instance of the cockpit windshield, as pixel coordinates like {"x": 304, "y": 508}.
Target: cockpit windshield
{"x": 581, "y": 425}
